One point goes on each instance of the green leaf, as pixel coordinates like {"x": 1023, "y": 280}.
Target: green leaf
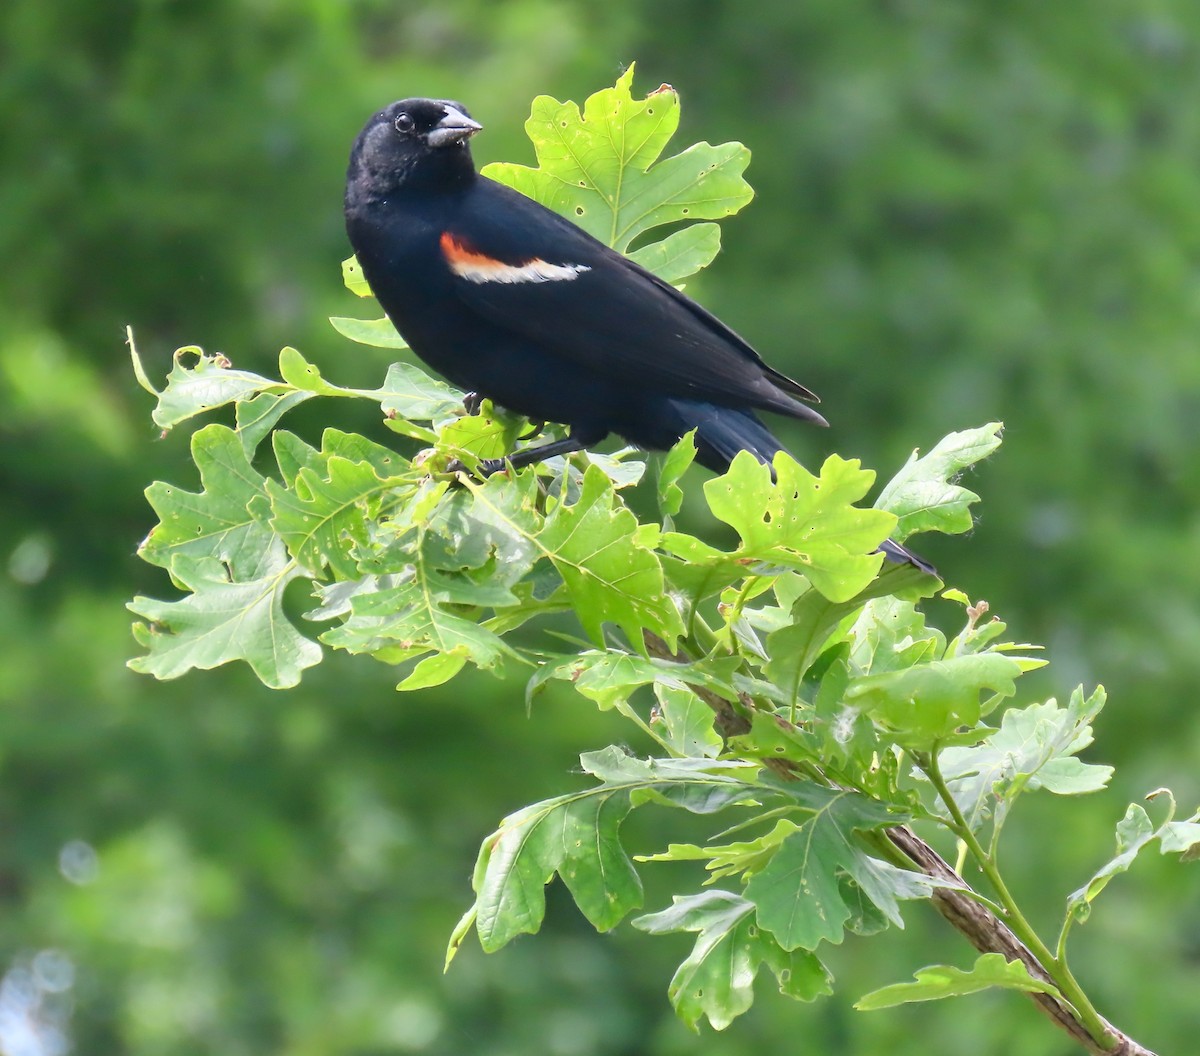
{"x": 672, "y": 467}
{"x": 378, "y": 333}
{"x": 741, "y": 858}
{"x": 208, "y": 383}
{"x": 1035, "y": 747}
{"x": 890, "y": 635}
{"x": 352, "y": 277}
{"x": 610, "y": 575}
{"x": 224, "y": 620}
{"x": 410, "y": 615}
{"x": 1182, "y": 838}
{"x": 217, "y": 521}
{"x": 804, "y": 522}
{"x": 943, "y": 980}
{"x": 717, "y": 978}
{"x": 305, "y": 376}
{"x": 1134, "y": 832}
{"x": 681, "y": 254}
{"x": 434, "y": 670}
{"x": 799, "y": 893}
{"x": 324, "y": 513}
{"x": 600, "y": 169}
{"x": 686, "y": 722}
{"x": 610, "y": 676}
{"x": 795, "y": 647}
{"x": 923, "y": 495}
{"x": 576, "y": 836}
{"x": 257, "y": 416}
{"x": 491, "y": 433}
{"x": 409, "y": 393}
{"x": 702, "y": 786}
{"x": 929, "y": 701}
{"x": 491, "y": 524}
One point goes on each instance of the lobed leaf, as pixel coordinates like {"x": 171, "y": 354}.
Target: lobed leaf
{"x": 923, "y": 495}
{"x": 601, "y": 169}
{"x": 1035, "y": 747}
{"x": 224, "y": 521}
{"x": 223, "y": 620}
{"x": 717, "y": 978}
{"x": 799, "y": 894}
{"x": 610, "y": 574}
{"x": 804, "y": 522}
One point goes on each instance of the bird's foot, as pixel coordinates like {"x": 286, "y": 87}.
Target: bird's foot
{"x": 535, "y": 429}
{"x": 487, "y": 467}
{"x": 472, "y": 401}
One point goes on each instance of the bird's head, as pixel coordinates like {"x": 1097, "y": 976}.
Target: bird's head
{"x": 413, "y": 141}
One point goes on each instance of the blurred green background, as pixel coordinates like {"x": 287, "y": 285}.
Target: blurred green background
{"x": 965, "y": 212}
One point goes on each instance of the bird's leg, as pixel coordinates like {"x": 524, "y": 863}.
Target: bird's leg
{"x": 527, "y": 456}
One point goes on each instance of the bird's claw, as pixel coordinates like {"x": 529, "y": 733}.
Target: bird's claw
{"x": 472, "y": 402}
{"x": 487, "y": 467}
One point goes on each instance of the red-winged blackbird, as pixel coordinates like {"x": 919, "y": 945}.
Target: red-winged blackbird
{"x": 509, "y": 300}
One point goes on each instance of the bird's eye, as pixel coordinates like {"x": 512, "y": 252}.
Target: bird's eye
{"x": 404, "y": 123}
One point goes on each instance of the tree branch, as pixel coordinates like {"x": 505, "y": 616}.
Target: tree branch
{"x": 988, "y": 934}
{"x": 978, "y": 924}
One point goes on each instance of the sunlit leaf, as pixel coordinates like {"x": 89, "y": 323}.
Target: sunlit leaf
{"x": 804, "y": 522}
{"x": 222, "y": 620}
{"x": 601, "y": 168}
{"x": 216, "y": 522}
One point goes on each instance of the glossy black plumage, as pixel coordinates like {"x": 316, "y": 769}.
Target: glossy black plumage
{"x": 508, "y": 299}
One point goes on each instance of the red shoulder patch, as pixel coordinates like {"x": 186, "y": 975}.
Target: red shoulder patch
{"x": 459, "y": 253}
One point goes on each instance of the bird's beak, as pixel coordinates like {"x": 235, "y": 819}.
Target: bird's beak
{"x": 455, "y": 127}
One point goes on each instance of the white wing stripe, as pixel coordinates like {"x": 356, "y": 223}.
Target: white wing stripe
{"x": 482, "y": 270}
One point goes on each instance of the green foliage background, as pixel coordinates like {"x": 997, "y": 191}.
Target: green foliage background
{"x": 963, "y": 213}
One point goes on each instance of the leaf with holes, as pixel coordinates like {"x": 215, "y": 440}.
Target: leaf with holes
{"x": 199, "y": 382}
{"x": 804, "y": 522}
{"x": 601, "y": 168}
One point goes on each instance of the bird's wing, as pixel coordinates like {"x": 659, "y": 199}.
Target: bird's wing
{"x": 535, "y": 273}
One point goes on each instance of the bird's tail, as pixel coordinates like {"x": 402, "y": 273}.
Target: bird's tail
{"x": 721, "y": 432}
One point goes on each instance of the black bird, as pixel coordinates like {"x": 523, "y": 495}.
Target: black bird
{"x": 511, "y": 301}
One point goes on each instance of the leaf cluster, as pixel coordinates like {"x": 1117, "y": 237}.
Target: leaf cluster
{"x": 789, "y": 682}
